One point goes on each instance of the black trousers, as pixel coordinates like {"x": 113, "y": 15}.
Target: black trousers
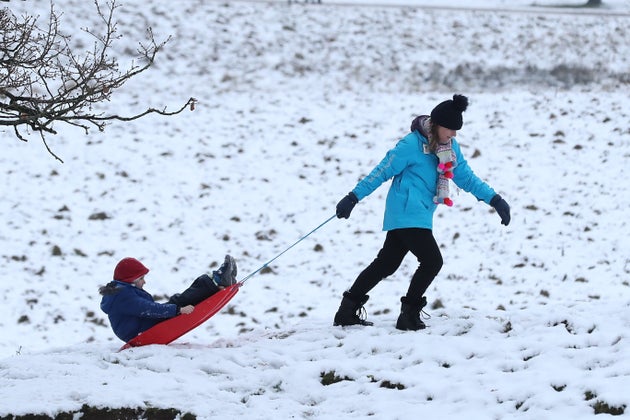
{"x": 398, "y": 242}
{"x": 202, "y": 288}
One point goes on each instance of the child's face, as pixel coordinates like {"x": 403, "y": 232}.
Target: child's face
{"x": 139, "y": 283}
{"x": 445, "y": 134}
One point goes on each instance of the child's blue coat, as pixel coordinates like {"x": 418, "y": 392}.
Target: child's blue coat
{"x": 132, "y": 310}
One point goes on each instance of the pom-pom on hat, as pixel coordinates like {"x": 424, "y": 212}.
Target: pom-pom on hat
{"x": 448, "y": 114}
{"x": 129, "y": 269}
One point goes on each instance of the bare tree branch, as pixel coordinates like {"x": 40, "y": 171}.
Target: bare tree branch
{"x": 43, "y": 81}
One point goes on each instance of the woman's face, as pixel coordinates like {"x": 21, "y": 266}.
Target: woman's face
{"x": 445, "y": 134}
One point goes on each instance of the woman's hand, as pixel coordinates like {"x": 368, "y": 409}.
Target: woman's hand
{"x": 502, "y": 208}
{"x": 345, "y": 206}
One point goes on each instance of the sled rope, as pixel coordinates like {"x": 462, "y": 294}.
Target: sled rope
{"x": 280, "y": 254}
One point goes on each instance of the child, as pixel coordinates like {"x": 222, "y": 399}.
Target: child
{"x": 132, "y": 310}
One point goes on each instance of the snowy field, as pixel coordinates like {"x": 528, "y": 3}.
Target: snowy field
{"x": 296, "y": 104}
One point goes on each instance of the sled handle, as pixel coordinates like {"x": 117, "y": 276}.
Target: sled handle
{"x": 250, "y": 275}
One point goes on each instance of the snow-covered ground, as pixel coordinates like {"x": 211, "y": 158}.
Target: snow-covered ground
{"x": 296, "y": 103}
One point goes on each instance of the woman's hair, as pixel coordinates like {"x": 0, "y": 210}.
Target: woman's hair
{"x": 428, "y": 128}
{"x": 433, "y": 136}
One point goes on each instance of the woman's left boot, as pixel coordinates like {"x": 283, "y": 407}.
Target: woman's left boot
{"x": 351, "y": 311}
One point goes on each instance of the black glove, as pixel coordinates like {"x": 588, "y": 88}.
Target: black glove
{"x": 502, "y": 208}
{"x": 345, "y": 206}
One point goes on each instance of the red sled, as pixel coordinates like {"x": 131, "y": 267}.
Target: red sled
{"x": 173, "y": 328}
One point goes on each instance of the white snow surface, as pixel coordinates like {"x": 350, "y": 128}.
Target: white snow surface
{"x": 296, "y": 104}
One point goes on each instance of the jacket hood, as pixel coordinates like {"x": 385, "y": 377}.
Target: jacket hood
{"x": 108, "y": 300}
{"x": 421, "y": 125}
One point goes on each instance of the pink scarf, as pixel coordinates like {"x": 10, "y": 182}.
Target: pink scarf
{"x": 446, "y": 163}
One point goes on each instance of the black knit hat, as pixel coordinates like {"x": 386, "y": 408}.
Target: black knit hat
{"x": 448, "y": 114}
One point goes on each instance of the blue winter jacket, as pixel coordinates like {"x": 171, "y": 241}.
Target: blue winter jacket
{"x": 132, "y": 310}
{"x": 409, "y": 202}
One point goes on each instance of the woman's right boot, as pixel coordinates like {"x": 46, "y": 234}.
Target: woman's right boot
{"x": 409, "y": 318}
{"x": 351, "y": 311}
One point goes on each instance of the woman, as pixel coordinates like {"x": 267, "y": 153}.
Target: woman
{"x": 421, "y": 165}
{"x": 132, "y": 310}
